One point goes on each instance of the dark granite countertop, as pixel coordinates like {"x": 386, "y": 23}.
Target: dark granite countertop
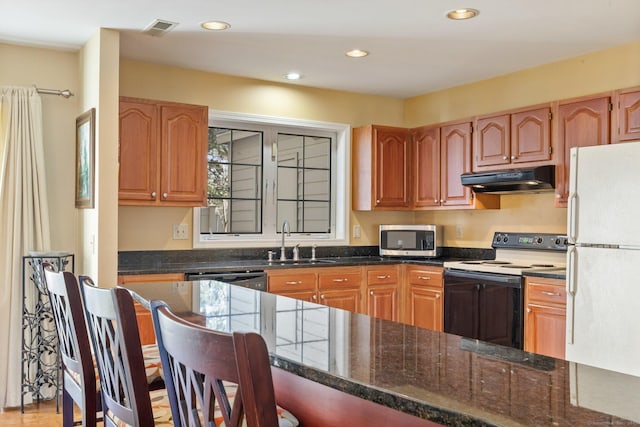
{"x": 432, "y": 375}
{"x": 551, "y": 273}
{"x": 221, "y": 260}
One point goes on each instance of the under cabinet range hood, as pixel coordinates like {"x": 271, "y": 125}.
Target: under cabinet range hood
{"x": 530, "y": 180}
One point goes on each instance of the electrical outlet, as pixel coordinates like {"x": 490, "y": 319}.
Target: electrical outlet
{"x": 180, "y": 231}
{"x": 356, "y": 231}
{"x": 458, "y": 231}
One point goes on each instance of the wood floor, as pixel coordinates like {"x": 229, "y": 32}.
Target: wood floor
{"x": 42, "y": 414}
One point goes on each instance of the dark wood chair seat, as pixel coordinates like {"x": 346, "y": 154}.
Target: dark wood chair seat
{"x": 79, "y": 383}
{"x": 213, "y": 377}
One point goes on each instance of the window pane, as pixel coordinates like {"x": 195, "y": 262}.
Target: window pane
{"x": 316, "y": 185}
{"x": 245, "y": 216}
{"x": 289, "y": 184}
{"x": 290, "y": 150}
{"x": 289, "y": 210}
{"x": 316, "y": 152}
{"x": 316, "y": 217}
{"x": 235, "y": 182}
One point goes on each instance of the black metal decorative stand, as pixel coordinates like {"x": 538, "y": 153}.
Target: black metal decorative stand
{"x": 40, "y": 356}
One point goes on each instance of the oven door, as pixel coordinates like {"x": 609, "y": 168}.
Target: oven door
{"x": 484, "y": 306}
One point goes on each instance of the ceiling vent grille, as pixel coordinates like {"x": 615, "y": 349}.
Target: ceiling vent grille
{"x": 159, "y": 27}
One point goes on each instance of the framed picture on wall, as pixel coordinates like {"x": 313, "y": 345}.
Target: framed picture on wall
{"x": 85, "y": 159}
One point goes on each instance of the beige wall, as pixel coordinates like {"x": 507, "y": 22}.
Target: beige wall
{"x": 52, "y": 69}
{"x": 98, "y": 227}
{"x": 602, "y": 71}
{"x": 234, "y": 94}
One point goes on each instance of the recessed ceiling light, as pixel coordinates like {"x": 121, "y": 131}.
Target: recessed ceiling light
{"x": 293, "y": 76}
{"x": 357, "y": 53}
{"x": 459, "y": 14}
{"x": 215, "y": 25}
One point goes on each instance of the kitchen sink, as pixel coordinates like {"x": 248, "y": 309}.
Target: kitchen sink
{"x": 302, "y": 261}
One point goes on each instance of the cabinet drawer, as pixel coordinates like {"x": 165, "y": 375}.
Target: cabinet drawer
{"x": 291, "y": 282}
{"x": 425, "y": 278}
{"x": 345, "y": 277}
{"x": 382, "y": 277}
{"x": 546, "y": 293}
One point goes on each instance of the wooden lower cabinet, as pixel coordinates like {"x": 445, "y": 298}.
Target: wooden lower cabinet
{"x": 337, "y": 287}
{"x": 545, "y": 316}
{"x": 383, "y": 291}
{"x": 143, "y": 316}
{"x": 424, "y": 301}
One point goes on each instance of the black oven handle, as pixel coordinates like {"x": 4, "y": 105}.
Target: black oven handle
{"x": 498, "y": 279}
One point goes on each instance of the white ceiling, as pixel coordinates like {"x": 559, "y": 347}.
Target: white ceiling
{"x": 414, "y": 48}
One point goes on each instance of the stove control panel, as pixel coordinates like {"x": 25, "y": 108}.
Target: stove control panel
{"x": 535, "y": 241}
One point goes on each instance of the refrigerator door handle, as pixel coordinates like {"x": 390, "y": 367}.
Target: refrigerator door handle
{"x": 571, "y": 292}
{"x": 573, "y": 202}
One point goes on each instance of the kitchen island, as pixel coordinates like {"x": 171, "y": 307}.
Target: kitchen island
{"x": 333, "y": 367}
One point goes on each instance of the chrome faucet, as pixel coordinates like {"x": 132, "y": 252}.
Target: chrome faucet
{"x": 285, "y": 229}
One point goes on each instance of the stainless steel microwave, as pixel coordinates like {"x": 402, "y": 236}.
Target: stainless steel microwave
{"x": 417, "y": 240}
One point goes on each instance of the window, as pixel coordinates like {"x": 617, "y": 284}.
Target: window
{"x": 265, "y": 171}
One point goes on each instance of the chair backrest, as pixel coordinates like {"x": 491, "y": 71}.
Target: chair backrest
{"x": 112, "y": 322}
{"x": 73, "y": 339}
{"x": 203, "y": 367}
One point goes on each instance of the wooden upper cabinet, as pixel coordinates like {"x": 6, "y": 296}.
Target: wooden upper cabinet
{"x": 426, "y": 166}
{"x": 492, "y": 141}
{"x": 581, "y": 123}
{"x": 139, "y": 151}
{"x": 163, "y": 149}
{"x": 455, "y": 159}
{"x": 531, "y": 136}
{"x": 184, "y": 154}
{"x": 381, "y": 168}
{"x": 628, "y": 117}
{"x": 515, "y": 139}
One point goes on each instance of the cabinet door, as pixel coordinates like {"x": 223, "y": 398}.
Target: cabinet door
{"x": 425, "y": 307}
{"x": 346, "y": 299}
{"x": 184, "y": 154}
{"x": 143, "y": 316}
{"x": 628, "y": 116}
{"x": 531, "y": 136}
{"x": 138, "y": 151}
{"x": 383, "y": 302}
{"x": 426, "y": 167}
{"x": 391, "y": 167}
{"x": 455, "y": 160}
{"x": 492, "y": 141}
{"x": 545, "y": 329}
{"x": 580, "y": 124}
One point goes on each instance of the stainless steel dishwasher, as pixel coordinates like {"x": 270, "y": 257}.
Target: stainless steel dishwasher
{"x": 253, "y": 279}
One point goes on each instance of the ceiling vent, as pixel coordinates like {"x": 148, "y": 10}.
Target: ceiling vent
{"x": 159, "y": 27}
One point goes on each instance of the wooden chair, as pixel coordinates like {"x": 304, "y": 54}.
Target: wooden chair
{"x": 79, "y": 383}
{"x": 214, "y": 377}
{"x": 126, "y": 398}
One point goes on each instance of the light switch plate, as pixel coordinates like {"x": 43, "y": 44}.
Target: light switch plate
{"x": 180, "y": 231}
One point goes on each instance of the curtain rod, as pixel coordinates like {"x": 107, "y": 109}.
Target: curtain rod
{"x": 65, "y": 93}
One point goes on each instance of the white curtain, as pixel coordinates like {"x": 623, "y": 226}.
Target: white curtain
{"x": 24, "y": 221}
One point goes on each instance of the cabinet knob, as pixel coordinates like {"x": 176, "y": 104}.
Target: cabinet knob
{"x": 153, "y": 194}
{"x": 424, "y": 277}
{"x": 558, "y": 196}
{"x": 504, "y": 157}
{"x": 435, "y": 200}
{"x": 528, "y": 310}
{"x": 441, "y": 200}
{"x": 314, "y": 297}
{"x": 378, "y": 202}
{"x": 513, "y": 157}
{"x": 437, "y": 296}
{"x": 370, "y": 292}
{"x": 321, "y": 296}
{"x": 164, "y": 195}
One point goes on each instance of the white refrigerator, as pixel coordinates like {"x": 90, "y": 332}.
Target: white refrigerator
{"x": 603, "y": 259}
